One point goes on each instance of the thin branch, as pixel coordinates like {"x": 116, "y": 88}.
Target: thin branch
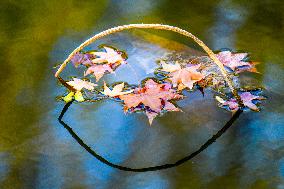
{"x": 65, "y": 84}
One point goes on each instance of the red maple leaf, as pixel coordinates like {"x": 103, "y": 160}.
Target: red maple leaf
{"x": 153, "y": 98}
{"x": 236, "y": 62}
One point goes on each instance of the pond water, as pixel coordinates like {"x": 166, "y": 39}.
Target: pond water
{"x": 37, "y": 152}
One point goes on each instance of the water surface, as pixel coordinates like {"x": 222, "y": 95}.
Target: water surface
{"x": 37, "y": 152}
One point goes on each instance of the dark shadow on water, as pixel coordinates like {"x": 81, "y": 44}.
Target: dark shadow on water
{"x": 152, "y": 168}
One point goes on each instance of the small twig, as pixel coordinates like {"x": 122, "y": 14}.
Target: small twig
{"x": 64, "y": 83}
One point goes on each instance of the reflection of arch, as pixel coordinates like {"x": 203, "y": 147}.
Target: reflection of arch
{"x": 158, "y": 27}
{"x": 153, "y": 168}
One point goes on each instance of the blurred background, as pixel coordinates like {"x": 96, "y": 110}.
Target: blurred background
{"x": 37, "y": 152}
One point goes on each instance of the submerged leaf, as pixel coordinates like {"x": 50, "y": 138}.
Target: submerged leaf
{"x": 82, "y": 58}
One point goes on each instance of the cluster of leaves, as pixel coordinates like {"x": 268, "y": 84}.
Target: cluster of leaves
{"x": 182, "y": 77}
{"x": 249, "y": 99}
{"x": 99, "y": 63}
{"x": 205, "y": 73}
{"x": 155, "y": 96}
{"x": 236, "y": 63}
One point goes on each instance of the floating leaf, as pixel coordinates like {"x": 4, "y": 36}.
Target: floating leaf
{"x": 183, "y": 77}
{"x": 152, "y": 98}
{"x": 111, "y": 56}
{"x": 180, "y": 70}
{"x": 247, "y": 99}
{"x": 79, "y": 96}
{"x": 116, "y": 91}
{"x": 170, "y": 67}
{"x": 79, "y": 84}
{"x": 69, "y": 97}
{"x": 235, "y": 61}
{"x": 98, "y": 70}
{"x": 212, "y": 76}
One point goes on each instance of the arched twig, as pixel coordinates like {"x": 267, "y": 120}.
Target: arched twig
{"x": 157, "y": 27}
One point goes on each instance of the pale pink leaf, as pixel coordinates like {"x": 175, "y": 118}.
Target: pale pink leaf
{"x": 116, "y": 91}
{"x": 98, "y": 70}
{"x": 79, "y": 84}
{"x": 110, "y": 57}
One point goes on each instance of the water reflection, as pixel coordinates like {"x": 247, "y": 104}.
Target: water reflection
{"x": 229, "y": 19}
{"x": 152, "y": 167}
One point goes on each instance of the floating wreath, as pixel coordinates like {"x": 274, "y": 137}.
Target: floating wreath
{"x": 219, "y": 71}
{"x": 157, "y": 94}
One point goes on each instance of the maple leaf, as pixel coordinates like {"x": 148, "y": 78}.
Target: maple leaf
{"x": 78, "y": 85}
{"x": 235, "y": 61}
{"x": 81, "y": 58}
{"x": 152, "y": 98}
{"x": 171, "y": 107}
{"x": 98, "y": 70}
{"x": 183, "y": 77}
{"x": 247, "y": 99}
{"x": 116, "y": 91}
{"x": 68, "y": 97}
{"x": 170, "y": 67}
{"x": 151, "y": 116}
{"x": 110, "y": 56}
{"x": 78, "y": 96}
{"x": 98, "y": 63}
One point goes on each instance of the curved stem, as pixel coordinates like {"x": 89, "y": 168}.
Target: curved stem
{"x": 158, "y": 27}
{"x": 153, "y": 168}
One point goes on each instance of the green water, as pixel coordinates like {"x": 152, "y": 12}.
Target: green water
{"x": 36, "y": 152}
